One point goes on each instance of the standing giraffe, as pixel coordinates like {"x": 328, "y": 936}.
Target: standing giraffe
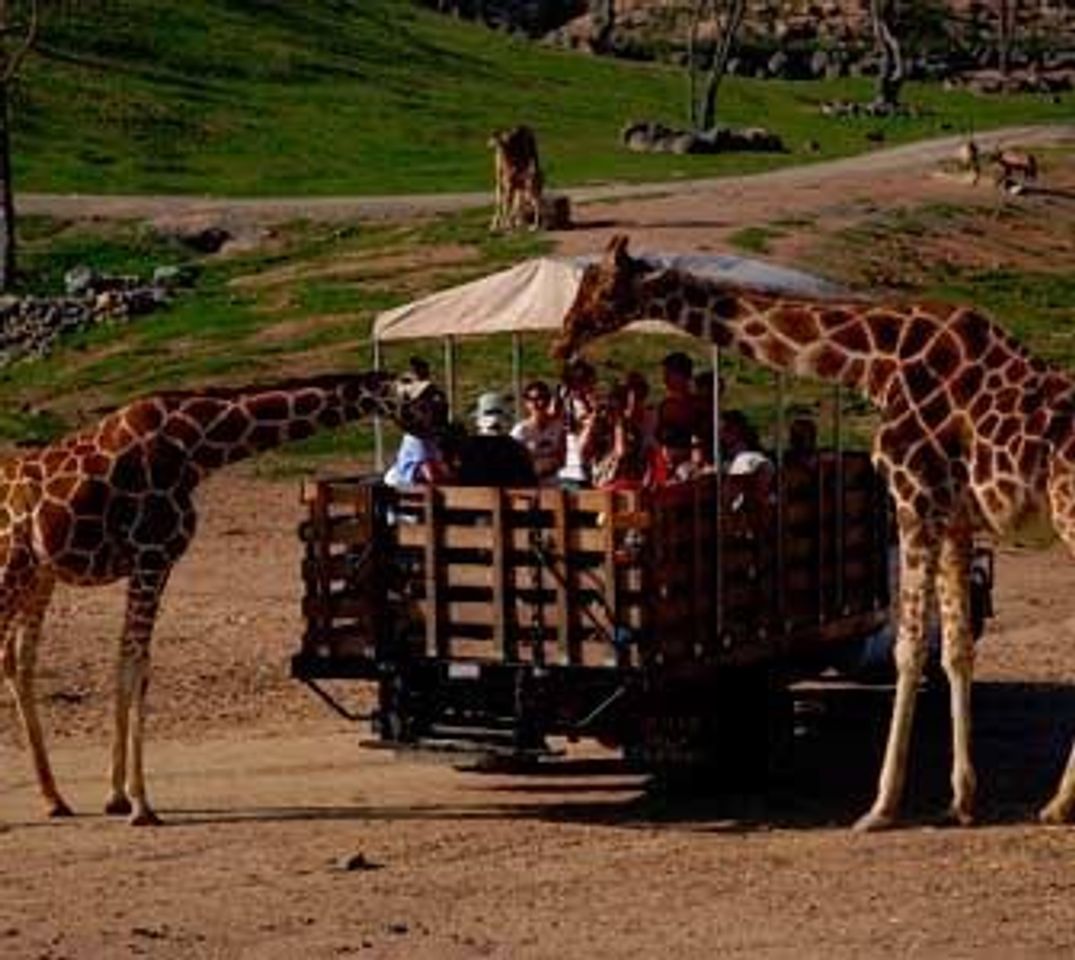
{"x": 975, "y": 433}
{"x": 114, "y": 501}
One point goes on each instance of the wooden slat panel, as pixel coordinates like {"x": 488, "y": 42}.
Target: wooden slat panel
{"x": 505, "y": 640}
{"x": 467, "y": 575}
{"x": 457, "y": 537}
{"x": 436, "y": 643}
{"x": 567, "y": 643}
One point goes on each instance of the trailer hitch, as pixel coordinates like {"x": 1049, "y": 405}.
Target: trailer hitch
{"x": 335, "y": 704}
{"x": 617, "y": 694}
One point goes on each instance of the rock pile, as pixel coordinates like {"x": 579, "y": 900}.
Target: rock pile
{"x": 651, "y": 136}
{"x": 30, "y": 326}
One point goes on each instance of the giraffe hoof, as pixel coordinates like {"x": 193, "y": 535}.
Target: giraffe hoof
{"x": 959, "y": 817}
{"x": 58, "y": 810}
{"x": 145, "y": 818}
{"x": 874, "y": 822}
{"x": 1054, "y": 813}
{"x": 118, "y": 806}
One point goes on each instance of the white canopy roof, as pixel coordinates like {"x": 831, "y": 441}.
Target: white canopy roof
{"x": 535, "y": 295}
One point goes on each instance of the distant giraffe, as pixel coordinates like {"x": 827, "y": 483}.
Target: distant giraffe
{"x": 975, "y": 433}
{"x": 114, "y": 501}
{"x": 519, "y": 182}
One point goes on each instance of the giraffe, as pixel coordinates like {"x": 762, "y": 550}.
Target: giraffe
{"x": 519, "y": 181}
{"x": 114, "y": 501}
{"x": 974, "y": 433}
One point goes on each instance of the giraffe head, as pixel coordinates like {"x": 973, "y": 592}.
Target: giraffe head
{"x": 607, "y": 299}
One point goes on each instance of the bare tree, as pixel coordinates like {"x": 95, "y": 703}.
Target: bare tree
{"x": 603, "y": 18}
{"x": 19, "y": 22}
{"x": 890, "y": 76}
{"x": 727, "y": 17}
{"x": 1007, "y": 11}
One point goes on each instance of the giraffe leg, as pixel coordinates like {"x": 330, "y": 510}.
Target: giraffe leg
{"x": 1061, "y": 808}
{"x": 128, "y": 774}
{"x": 918, "y": 563}
{"x": 22, "y": 635}
{"x": 953, "y": 580}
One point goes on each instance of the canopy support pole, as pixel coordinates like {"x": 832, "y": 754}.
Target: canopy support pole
{"x": 516, "y": 373}
{"x": 718, "y": 520}
{"x": 449, "y": 373}
{"x": 378, "y": 426}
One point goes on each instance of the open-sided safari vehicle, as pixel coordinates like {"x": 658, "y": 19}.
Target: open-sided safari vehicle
{"x": 666, "y": 621}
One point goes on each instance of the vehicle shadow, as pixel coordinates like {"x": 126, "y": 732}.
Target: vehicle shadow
{"x": 1022, "y": 736}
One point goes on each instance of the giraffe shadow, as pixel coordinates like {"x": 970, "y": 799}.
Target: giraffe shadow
{"x": 1022, "y": 735}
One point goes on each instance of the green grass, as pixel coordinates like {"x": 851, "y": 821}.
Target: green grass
{"x": 223, "y": 331}
{"x": 236, "y": 97}
{"x": 378, "y": 96}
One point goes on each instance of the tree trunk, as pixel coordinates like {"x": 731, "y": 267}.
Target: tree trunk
{"x": 890, "y": 75}
{"x": 1006, "y": 13}
{"x": 705, "y": 115}
{"x": 603, "y": 18}
{"x": 7, "y": 198}
{"x": 692, "y": 66}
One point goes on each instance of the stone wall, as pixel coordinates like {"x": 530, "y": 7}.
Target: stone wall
{"x": 31, "y": 326}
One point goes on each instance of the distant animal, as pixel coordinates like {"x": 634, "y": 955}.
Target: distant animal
{"x": 519, "y": 181}
{"x": 1013, "y": 169}
{"x": 970, "y": 158}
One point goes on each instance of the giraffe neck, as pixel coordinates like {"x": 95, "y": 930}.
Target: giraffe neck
{"x": 210, "y": 429}
{"x": 879, "y": 349}
{"x": 848, "y": 341}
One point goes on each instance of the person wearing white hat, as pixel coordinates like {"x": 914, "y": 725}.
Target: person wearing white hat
{"x": 492, "y": 458}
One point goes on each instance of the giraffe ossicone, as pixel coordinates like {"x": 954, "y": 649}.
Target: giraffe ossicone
{"x": 974, "y": 433}
{"x": 114, "y": 501}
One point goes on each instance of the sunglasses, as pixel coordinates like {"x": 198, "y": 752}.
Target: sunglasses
{"x": 536, "y": 398}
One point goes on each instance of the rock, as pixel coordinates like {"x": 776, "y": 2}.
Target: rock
{"x": 173, "y": 275}
{"x": 353, "y": 862}
{"x": 79, "y": 281}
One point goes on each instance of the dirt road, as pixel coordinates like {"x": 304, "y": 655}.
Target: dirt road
{"x": 283, "y": 838}
{"x": 267, "y": 796}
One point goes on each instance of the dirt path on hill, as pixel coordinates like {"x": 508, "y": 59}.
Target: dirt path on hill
{"x": 732, "y": 193}
{"x": 284, "y": 838}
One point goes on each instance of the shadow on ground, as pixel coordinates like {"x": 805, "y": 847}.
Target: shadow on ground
{"x": 1021, "y": 741}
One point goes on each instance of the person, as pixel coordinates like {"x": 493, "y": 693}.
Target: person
{"x": 679, "y": 408}
{"x": 674, "y": 462}
{"x": 629, "y": 447}
{"x": 421, "y": 460}
{"x": 743, "y": 457}
{"x": 541, "y": 431}
{"x": 802, "y": 443}
{"x": 705, "y": 404}
{"x": 578, "y": 407}
{"x": 491, "y": 457}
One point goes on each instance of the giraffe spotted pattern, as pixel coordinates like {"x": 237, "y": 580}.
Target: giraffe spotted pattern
{"x": 115, "y": 502}
{"x": 975, "y": 433}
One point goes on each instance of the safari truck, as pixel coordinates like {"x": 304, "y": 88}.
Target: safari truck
{"x": 668, "y": 621}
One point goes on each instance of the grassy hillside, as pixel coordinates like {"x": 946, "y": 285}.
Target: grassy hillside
{"x": 376, "y": 96}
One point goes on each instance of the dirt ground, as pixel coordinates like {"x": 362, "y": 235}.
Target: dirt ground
{"x": 284, "y": 837}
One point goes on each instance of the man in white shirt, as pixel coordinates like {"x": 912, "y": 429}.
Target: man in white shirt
{"x": 541, "y": 431}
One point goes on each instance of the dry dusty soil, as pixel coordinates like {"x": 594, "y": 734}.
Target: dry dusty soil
{"x": 284, "y": 838}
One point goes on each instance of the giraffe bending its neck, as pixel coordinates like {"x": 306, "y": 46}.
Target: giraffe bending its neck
{"x": 114, "y": 501}
{"x": 974, "y": 433}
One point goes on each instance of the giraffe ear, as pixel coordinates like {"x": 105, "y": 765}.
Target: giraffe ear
{"x": 616, "y": 251}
